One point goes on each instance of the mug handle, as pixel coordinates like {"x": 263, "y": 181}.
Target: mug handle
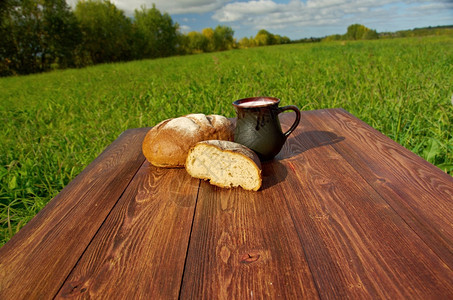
{"x": 296, "y": 122}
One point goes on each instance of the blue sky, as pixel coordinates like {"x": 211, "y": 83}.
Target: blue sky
{"x": 298, "y": 18}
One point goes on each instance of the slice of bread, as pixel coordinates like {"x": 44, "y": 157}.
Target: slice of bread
{"x": 225, "y": 164}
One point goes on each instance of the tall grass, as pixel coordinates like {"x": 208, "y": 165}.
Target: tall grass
{"x": 54, "y": 124}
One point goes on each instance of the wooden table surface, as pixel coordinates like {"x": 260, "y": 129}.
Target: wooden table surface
{"x": 344, "y": 212}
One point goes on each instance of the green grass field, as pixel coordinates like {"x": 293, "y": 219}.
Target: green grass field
{"x": 55, "y": 124}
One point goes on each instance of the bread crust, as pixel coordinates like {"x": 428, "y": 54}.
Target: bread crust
{"x": 235, "y": 149}
{"x": 168, "y": 143}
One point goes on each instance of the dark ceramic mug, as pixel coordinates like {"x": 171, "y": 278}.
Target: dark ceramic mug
{"x": 258, "y": 126}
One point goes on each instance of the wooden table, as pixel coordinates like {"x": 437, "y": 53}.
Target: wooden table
{"x": 343, "y": 212}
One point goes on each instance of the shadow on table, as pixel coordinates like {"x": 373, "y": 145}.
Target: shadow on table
{"x": 307, "y": 140}
{"x": 273, "y": 172}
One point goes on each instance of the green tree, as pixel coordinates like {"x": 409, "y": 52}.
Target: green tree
{"x": 9, "y": 58}
{"x": 196, "y": 42}
{"x": 107, "y": 32}
{"x": 157, "y": 35}
{"x": 284, "y": 40}
{"x": 264, "y": 37}
{"x": 246, "y": 42}
{"x": 223, "y": 38}
{"x": 36, "y": 35}
{"x": 334, "y": 37}
{"x": 370, "y": 35}
{"x": 360, "y": 32}
{"x": 209, "y": 34}
{"x": 62, "y": 35}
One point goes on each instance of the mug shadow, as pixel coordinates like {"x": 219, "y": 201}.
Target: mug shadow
{"x": 274, "y": 172}
{"x": 307, "y": 140}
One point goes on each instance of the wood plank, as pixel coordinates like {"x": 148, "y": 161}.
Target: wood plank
{"x": 139, "y": 252}
{"x": 344, "y": 212}
{"x": 244, "y": 245}
{"x": 419, "y": 192}
{"x": 37, "y": 260}
{"x": 355, "y": 243}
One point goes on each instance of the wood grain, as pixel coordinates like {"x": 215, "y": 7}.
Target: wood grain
{"x": 344, "y": 212}
{"x": 356, "y": 244}
{"x": 139, "y": 252}
{"x": 419, "y": 192}
{"x": 244, "y": 245}
{"x": 37, "y": 260}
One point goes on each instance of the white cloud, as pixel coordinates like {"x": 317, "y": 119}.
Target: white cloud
{"x": 185, "y": 29}
{"x": 241, "y": 10}
{"x": 168, "y": 6}
{"x": 269, "y": 14}
{"x": 300, "y": 17}
{"x": 172, "y": 6}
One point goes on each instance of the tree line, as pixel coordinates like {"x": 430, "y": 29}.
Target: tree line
{"x": 360, "y": 32}
{"x": 41, "y": 35}
{"x": 419, "y": 32}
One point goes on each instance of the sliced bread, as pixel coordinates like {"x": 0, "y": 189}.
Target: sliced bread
{"x": 225, "y": 164}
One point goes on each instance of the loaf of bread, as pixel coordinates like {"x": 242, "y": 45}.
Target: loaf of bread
{"x": 168, "y": 143}
{"x": 225, "y": 164}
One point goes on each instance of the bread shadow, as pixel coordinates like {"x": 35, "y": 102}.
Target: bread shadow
{"x": 307, "y": 140}
{"x": 273, "y": 172}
